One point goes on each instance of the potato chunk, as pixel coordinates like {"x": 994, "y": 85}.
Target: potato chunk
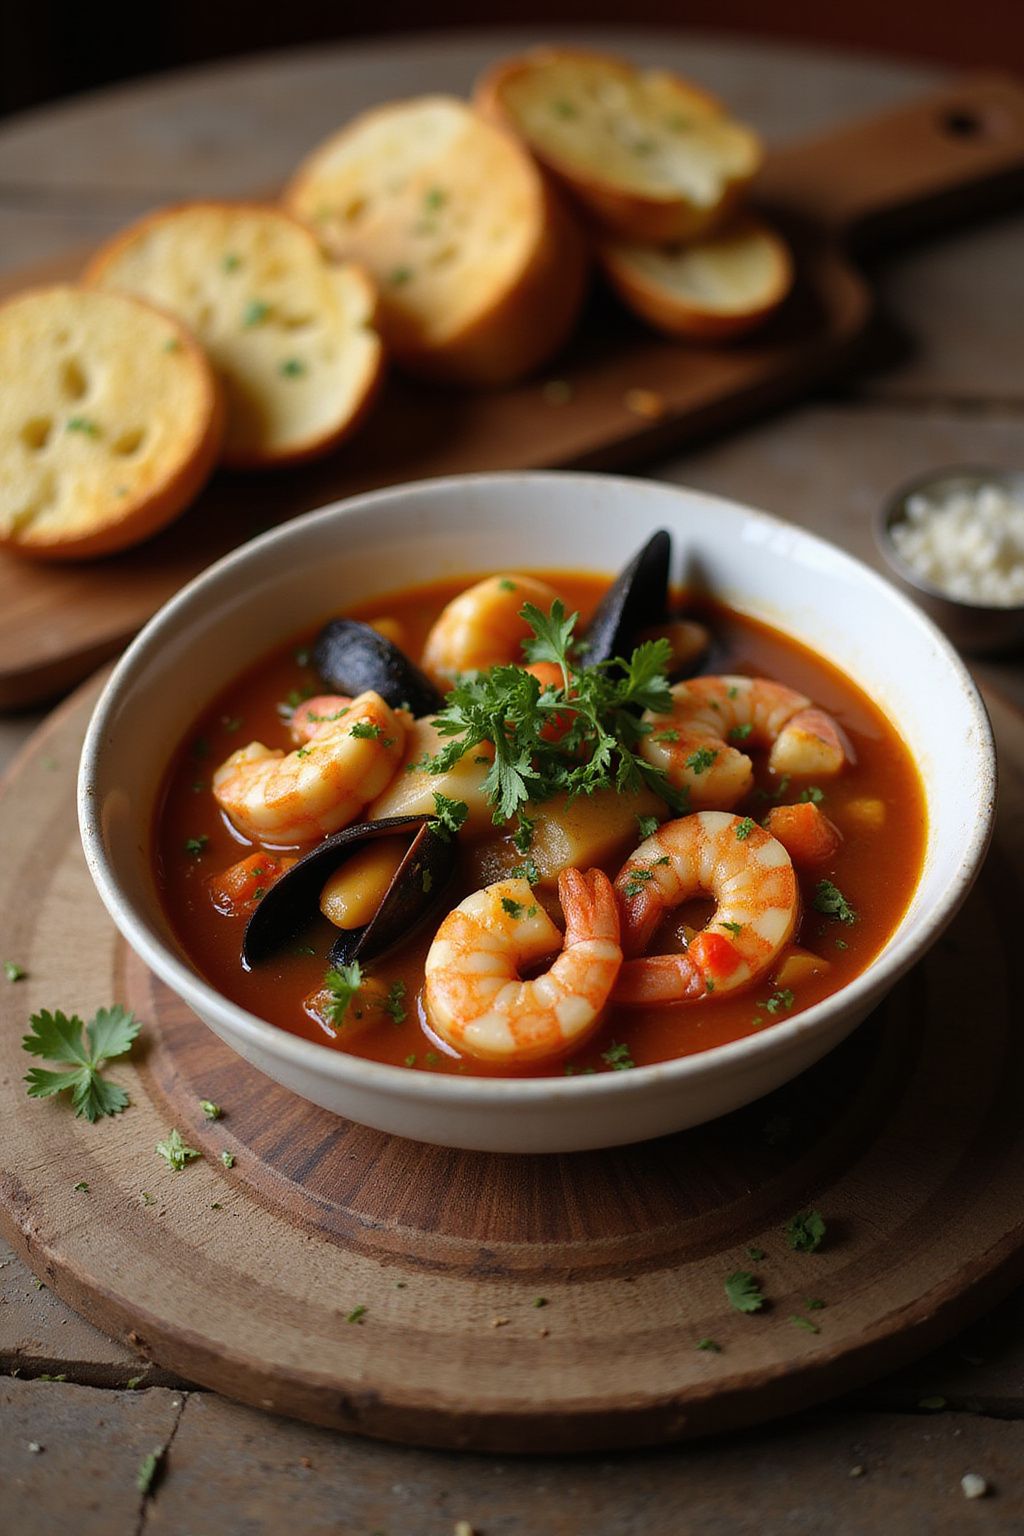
{"x": 592, "y": 831}
{"x": 412, "y": 790}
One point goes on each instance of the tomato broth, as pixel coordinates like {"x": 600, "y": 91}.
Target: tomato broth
{"x": 876, "y": 868}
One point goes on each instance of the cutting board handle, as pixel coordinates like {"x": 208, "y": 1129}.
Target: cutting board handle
{"x": 902, "y": 172}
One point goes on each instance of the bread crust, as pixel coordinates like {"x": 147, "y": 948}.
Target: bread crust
{"x": 101, "y": 269}
{"x": 679, "y": 315}
{"x": 134, "y": 519}
{"x": 649, "y": 217}
{"x": 527, "y": 318}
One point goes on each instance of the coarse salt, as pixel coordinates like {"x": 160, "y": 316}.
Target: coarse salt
{"x": 968, "y": 543}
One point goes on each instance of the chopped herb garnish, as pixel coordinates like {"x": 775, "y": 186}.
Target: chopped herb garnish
{"x": 211, "y": 1110}
{"x": 740, "y": 732}
{"x": 342, "y": 983}
{"x": 172, "y": 344}
{"x": 709, "y": 1346}
{"x": 756, "y": 1254}
{"x": 732, "y": 691}
{"x": 399, "y": 276}
{"x": 778, "y": 1001}
{"x": 515, "y": 909}
{"x": 744, "y": 828}
{"x": 365, "y": 730}
{"x": 565, "y": 109}
{"x": 149, "y": 1466}
{"x": 813, "y": 1304}
{"x": 83, "y": 424}
{"x": 410, "y": 1060}
{"x": 734, "y": 928}
{"x": 540, "y": 1301}
{"x": 228, "y": 1159}
{"x": 431, "y": 1058}
{"x": 356, "y": 1315}
{"x": 434, "y": 199}
{"x": 175, "y": 1152}
{"x": 666, "y": 735}
{"x": 81, "y": 1188}
{"x": 743, "y": 1291}
{"x": 648, "y": 825}
{"x": 830, "y": 900}
{"x": 194, "y": 846}
{"x": 448, "y": 817}
{"x": 527, "y": 871}
{"x": 13, "y": 971}
{"x": 504, "y": 585}
{"x": 841, "y": 944}
{"x": 56, "y": 1037}
{"x": 292, "y": 367}
{"x": 394, "y": 1003}
{"x": 805, "y": 1232}
{"x": 702, "y": 759}
{"x": 303, "y": 751}
{"x": 522, "y": 837}
{"x": 804, "y": 1323}
{"x": 811, "y": 795}
{"x": 232, "y": 261}
{"x": 255, "y": 312}
{"x": 636, "y": 880}
{"x": 618, "y": 1058}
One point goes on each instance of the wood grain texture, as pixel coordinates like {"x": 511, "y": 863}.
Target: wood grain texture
{"x": 56, "y": 623}
{"x": 908, "y": 1139}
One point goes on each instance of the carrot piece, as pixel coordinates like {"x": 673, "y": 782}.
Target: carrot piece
{"x": 237, "y": 890}
{"x": 805, "y": 832}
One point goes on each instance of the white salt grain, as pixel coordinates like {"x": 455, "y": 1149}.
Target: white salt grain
{"x": 974, "y": 1487}
{"x": 969, "y": 544}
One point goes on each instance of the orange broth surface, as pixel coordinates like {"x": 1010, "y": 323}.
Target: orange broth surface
{"x": 876, "y": 868}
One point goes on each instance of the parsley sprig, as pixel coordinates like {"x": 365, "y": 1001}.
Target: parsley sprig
{"x": 55, "y": 1037}
{"x": 508, "y": 707}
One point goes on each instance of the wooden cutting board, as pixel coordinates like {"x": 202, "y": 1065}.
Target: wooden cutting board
{"x": 908, "y": 1139}
{"x": 933, "y": 162}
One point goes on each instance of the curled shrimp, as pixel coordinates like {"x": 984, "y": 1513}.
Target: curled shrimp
{"x": 698, "y": 744}
{"x": 319, "y": 787}
{"x": 473, "y": 995}
{"x": 750, "y": 876}
{"x": 309, "y": 716}
{"x": 482, "y": 628}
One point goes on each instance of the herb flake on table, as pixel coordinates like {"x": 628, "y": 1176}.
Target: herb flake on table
{"x": 709, "y": 1346}
{"x": 175, "y": 1152}
{"x": 744, "y": 1292}
{"x": 805, "y": 1232}
{"x": 86, "y": 1049}
{"x": 149, "y": 1468}
{"x": 211, "y": 1110}
{"x": 13, "y": 971}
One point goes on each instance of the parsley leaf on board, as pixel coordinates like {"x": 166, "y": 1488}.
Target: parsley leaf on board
{"x": 805, "y": 1232}
{"x": 175, "y": 1152}
{"x": 55, "y": 1037}
{"x": 743, "y": 1291}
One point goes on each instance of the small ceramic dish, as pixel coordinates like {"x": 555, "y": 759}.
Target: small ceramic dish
{"x": 980, "y": 629}
{"x": 289, "y": 579}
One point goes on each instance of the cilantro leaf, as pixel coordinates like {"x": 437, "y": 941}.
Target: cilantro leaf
{"x": 55, "y": 1037}
{"x": 805, "y": 1232}
{"x": 743, "y": 1291}
{"x": 829, "y": 899}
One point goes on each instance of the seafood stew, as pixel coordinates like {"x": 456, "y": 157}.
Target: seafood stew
{"x": 574, "y": 865}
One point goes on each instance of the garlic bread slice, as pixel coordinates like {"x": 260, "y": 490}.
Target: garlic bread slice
{"x": 481, "y": 271}
{"x": 647, "y": 155}
{"x": 291, "y": 334}
{"x": 715, "y": 288}
{"x": 111, "y": 420}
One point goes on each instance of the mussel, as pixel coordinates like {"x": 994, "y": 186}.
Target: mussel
{"x": 415, "y": 890}
{"x": 637, "y": 599}
{"x": 351, "y": 658}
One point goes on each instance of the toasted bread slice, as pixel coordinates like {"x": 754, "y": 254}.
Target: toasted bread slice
{"x": 290, "y": 334}
{"x": 481, "y": 271}
{"x": 721, "y": 286}
{"x": 649, "y": 156}
{"x": 111, "y": 419}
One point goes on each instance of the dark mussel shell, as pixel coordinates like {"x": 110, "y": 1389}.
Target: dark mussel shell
{"x": 351, "y": 658}
{"x": 293, "y": 900}
{"x": 637, "y": 599}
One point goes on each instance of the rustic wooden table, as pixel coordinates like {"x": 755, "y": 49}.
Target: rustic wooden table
{"x": 79, "y": 1412}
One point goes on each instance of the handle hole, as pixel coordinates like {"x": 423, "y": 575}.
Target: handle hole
{"x": 962, "y": 123}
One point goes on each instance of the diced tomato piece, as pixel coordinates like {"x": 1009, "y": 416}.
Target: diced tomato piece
{"x": 715, "y": 955}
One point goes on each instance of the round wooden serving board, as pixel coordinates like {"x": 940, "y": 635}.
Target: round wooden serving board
{"x": 909, "y": 1140}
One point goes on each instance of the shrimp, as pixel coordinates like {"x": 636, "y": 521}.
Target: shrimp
{"x": 309, "y": 716}
{"x": 481, "y": 627}
{"x": 692, "y": 745}
{"x": 751, "y": 878}
{"x": 473, "y": 995}
{"x": 321, "y": 786}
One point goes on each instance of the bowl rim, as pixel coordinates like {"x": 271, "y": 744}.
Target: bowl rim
{"x": 356, "y": 1072}
{"x": 893, "y": 510}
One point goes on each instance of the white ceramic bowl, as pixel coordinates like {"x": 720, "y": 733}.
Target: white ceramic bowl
{"x": 311, "y": 568}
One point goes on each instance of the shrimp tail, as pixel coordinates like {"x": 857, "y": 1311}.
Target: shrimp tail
{"x": 588, "y": 902}
{"x": 659, "y": 979}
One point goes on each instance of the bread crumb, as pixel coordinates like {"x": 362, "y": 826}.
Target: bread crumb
{"x": 542, "y": 1333}
{"x": 973, "y": 1485}
{"x": 463, "y": 1528}
{"x": 645, "y": 402}
{"x": 857, "y": 1471}
{"x": 500, "y": 1322}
